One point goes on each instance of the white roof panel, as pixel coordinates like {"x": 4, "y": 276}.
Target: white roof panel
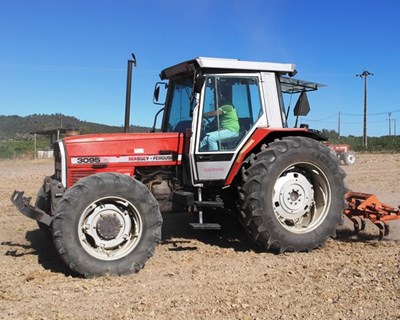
{"x": 226, "y": 65}
{"x": 218, "y": 63}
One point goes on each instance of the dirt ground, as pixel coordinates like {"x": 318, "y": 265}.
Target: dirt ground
{"x": 206, "y": 275}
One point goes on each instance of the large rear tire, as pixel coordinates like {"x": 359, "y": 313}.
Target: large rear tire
{"x": 107, "y": 223}
{"x": 291, "y": 196}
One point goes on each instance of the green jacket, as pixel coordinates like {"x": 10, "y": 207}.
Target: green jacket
{"x": 229, "y": 119}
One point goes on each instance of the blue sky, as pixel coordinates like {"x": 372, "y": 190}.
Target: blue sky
{"x": 70, "y": 56}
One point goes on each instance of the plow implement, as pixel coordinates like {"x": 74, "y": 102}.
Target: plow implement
{"x": 365, "y": 206}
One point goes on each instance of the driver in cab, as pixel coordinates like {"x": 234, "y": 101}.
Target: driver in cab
{"x": 228, "y": 126}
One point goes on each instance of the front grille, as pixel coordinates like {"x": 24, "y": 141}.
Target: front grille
{"x": 76, "y": 175}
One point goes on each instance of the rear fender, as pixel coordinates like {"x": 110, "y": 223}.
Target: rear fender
{"x": 264, "y": 136}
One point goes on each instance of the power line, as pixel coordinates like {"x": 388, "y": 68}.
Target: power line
{"x": 370, "y": 114}
{"x": 334, "y": 117}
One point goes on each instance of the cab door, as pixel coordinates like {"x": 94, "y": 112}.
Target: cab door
{"x": 229, "y": 108}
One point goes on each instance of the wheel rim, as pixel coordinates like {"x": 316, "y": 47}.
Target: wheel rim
{"x": 110, "y": 228}
{"x": 351, "y": 159}
{"x": 301, "y": 197}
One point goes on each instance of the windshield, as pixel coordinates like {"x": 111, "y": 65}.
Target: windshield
{"x": 178, "y": 116}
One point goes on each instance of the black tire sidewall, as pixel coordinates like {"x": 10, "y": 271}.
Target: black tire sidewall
{"x": 79, "y": 197}
{"x": 41, "y": 204}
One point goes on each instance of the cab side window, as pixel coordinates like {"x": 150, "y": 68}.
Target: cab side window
{"x": 231, "y": 106}
{"x": 179, "y": 117}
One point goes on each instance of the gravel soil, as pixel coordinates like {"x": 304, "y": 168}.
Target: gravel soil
{"x": 207, "y": 275}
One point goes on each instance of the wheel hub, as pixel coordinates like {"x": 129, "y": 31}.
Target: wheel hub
{"x": 108, "y": 226}
{"x": 293, "y": 196}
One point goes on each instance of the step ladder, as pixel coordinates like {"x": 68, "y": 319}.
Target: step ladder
{"x": 205, "y": 204}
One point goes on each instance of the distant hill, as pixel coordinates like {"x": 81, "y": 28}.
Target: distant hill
{"x": 16, "y": 127}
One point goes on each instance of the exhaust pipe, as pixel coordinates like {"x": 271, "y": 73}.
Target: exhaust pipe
{"x": 128, "y": 92}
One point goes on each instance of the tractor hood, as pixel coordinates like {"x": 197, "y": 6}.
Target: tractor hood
{"x": 119, "y": 152}
{"x": 116, "y": 147}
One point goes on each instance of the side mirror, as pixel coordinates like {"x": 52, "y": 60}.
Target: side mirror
{"x": 160, "y": 87}
{"x": 302, "y": 107}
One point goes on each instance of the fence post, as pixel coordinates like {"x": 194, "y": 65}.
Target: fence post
{"x": 34, "y": 146}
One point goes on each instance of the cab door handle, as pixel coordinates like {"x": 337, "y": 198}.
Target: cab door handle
{"x": 204, "y": 157}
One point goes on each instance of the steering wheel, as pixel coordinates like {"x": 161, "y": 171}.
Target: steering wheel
{"x": 207, "y": 125}
{"x": 206, "y": 122}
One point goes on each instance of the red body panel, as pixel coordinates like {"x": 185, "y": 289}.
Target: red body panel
{"x": 121, "y": 153}
{"x": 339, "y": 148}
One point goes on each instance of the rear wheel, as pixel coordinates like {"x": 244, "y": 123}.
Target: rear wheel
{"x": 107, "y": 223}
{"x": 292, "y": 195}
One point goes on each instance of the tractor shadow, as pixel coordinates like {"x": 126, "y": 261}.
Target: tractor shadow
{"x": 231, "y": 235}
{"x": 179, "y": 236}
{"x": 42, "y": 246}
{"x": 177, "y": 231}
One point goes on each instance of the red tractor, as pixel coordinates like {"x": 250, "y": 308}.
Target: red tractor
{"x": 343, "y": 152}
{"x": 224, "y": 143}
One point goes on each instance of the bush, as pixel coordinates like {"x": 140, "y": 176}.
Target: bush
{"x": 17, "y": 149}
{"x": 374, "y": 144}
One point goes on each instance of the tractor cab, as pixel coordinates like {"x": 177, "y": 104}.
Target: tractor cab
{"x": 220, "y": 105}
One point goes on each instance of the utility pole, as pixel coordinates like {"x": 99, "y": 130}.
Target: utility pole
{"x": 339, "y": 125}
{"x": 390, "y": 124}
{"x": 394, "y": 125}
{"x": 364, "y": 76}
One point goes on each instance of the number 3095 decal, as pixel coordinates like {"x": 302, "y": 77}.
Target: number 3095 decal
{"x": 85, "y": 160}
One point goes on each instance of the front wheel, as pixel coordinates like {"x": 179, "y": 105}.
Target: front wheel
{"x": 292, "y": 195}
{"x": 349, "y": 158}
{"x": 107, "y": 223}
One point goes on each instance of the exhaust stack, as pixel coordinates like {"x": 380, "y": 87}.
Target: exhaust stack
{"x": 128, "y": 92}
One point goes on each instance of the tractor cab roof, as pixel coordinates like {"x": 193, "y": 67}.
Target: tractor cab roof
{"x": 225, "y": 65}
